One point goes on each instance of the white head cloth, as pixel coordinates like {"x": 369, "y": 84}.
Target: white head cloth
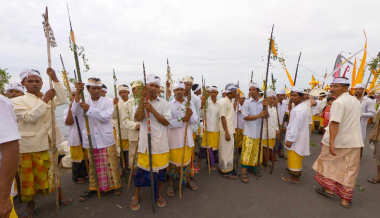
{"x": 15, "y": 86}
{"x": 123, "y": 87}
{"x": 254, "y": 85}
{"x": 179, "y": 85}
{"x": 281, "y": 92}
{"x": 359, "y": 86}
{"x": 212, "y": 88}
{"x": 94, "y": 82}
{"x": 153, "y": 79}
{"x": 271, "y": 93}
{"x": 188, "y": 79}
{"x": 295, "y": 89}
{"x": 29, "y": 72}
{"x": 230, "y": 88}
{"x": 341, "y": 80}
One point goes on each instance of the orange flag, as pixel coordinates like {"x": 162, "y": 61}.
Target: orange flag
{"x": 287, "y": 73}
{"x": 359, "y": 77}
{"x": 353, "y": 79}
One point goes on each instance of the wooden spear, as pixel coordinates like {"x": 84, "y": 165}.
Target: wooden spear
{"x": 205, "y": 133}
{"x": 184, "y": 148}
{"x": 265, "y": 94}
{"x": 298, "y": 62}
{"x": 50, "y": 40}
{"x": 79, "y": 79}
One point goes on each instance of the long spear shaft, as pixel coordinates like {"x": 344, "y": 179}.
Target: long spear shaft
{"x": 205, "y": 133}
{"x": 298, "y": 63}
{"x": 265, "y": 95}
{"x": 118, "y": 123}
{"x": 152, "y": 182}
{"x": 53, "y": 139}
{"x": 251, "y": 76}
{"x": 79, "y": 77}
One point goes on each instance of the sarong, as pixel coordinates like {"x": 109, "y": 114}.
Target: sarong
{"x": 212, "y": 140}
{"x": 76, "y": 153}
{"x": 338, "y": 173}
{"x": 250, "y": 152}
{"x": 377, "y": 154}
{"x": 107, "y": 169}
{"x": 176, "y": 156}
{"x": 272, "y": 143}
{"x": 226, "y": 154}
{"x": 34, "y": 174}
{"x": 294, "y": 163}
{"x": 214, "y": 156}
{"x": 125, "y": 144}
{"x": 131, "y": 153}
{"x": 159, "y": 161}
{"x": 142, "y": 179}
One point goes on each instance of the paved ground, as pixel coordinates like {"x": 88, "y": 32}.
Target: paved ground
{"x": 218, "y": 197}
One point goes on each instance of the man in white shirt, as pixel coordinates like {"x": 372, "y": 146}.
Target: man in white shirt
{"x": 99, "y": 111}
{"x": 282, "y": 108}
{"x": 297, "y": 139}
{"x": 227, "y": 128}
{"x": 253, "y": 114}
{"x": 123, "y": 90}
{"x": 181, "y": 148}
{"x": 210, "y": 139}
{"x": 159, "y": 114}
{"x": 270, "y": 133}
{"x": 368, "y": 109}
{"x": 34, "y": 118}
{"x": 9, "y": 148}
{"x": 337, "y": 167}
{"x": 133, "y": 126}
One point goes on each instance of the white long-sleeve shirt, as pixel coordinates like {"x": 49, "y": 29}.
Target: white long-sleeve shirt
{"x": 368, "y": 111}
{"x": 100, "y": 121}
{"x": 212, "y": 116}
{"x": 159, "y": 132}
{"x": 252, "y": 127}
{"x": 73, "y": 137}
{"x": 176, "y": 131}
{"x": 298, "y": 129}
{"x": 282, "y": 109}
{"x": 240, "y": 118}
{"x": 129, "y": 120}
{"x": 122, "y": 105}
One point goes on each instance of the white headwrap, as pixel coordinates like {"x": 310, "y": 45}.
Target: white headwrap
{"x": 212, "y": 88}
{"x": 198, "y": 88}
{"x": 179, "y": 85}
{"x": 359, "y": 86}
{"x": 230, "y": 87}
{"x": 341, "y": 80}
{"x": 94, "y": 82}
{"x": 281, "y": 92}
{"x": 254, "y": 85}
{"x": 15, "y": 86}
{"x": 188, "y": 79}
{"x": 123, "y": 87}
{"x": 151, "y": 78}
{"x": 298, "y": 90}
{"x": 271, "y": 93}
{"x": 29, "y": 72}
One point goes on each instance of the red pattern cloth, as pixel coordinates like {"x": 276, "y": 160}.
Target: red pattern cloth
{"x": 342, "y": 191}
{"x": 100, "y": 158}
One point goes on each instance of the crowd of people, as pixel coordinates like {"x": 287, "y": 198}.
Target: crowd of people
{"x": 156, "y": 134}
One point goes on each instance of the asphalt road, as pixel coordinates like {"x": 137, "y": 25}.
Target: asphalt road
{"x": 218, "y": 197}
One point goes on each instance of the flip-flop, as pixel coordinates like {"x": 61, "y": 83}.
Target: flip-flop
{"x": 290, "y": 181}
{"x": 244, "y": 178}
{"x": 373, "y": 181}
{"x": 162, "y": 203}
{"x": 86, "y": 195}
{"x": 170, "y": 192}
{"x": 323, "y": 192}
{"x": 192, "y": 186}
{"x": 348, "y": 206}
{"x": 135, "y": 205}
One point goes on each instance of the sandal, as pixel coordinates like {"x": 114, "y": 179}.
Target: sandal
{"x": 191, "y": 184}
{"x": 162, "y": 203}
{"x": 170, "y": 192}
{"x": 288, "y": 180}
{"x": 244, "y": 178}
{"x": 323, "y": 192}
{"x": 346, "y": 206}
{"x": 135, "y": 204}
{"x": 86, "y": 195}
{"x": 373, "y": 181}
{"x": 65, "y": 202}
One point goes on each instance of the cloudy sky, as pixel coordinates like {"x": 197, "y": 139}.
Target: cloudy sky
{"x": 222, "y": 40}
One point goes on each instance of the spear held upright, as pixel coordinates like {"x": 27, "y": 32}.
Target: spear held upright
{"x": 50, "y": 40}
{"x": 79, "y": 78}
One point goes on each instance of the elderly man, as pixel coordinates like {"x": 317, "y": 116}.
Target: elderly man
{"x": 33, "y": 114}
{"x": 99, "y": 112}
{"x": 158, "y": 110}
{"x": 337, "y": 167}
{"x": 9, "y": 148}
{"x": 297, "y": 139}
{"x": 368, "y": 109}
{"x": 14, "y": 90}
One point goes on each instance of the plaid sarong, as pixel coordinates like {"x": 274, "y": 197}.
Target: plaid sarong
{"x": 100, "y": 158}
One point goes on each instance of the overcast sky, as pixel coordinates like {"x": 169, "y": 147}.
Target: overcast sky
{"x": 222, "y": 40}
